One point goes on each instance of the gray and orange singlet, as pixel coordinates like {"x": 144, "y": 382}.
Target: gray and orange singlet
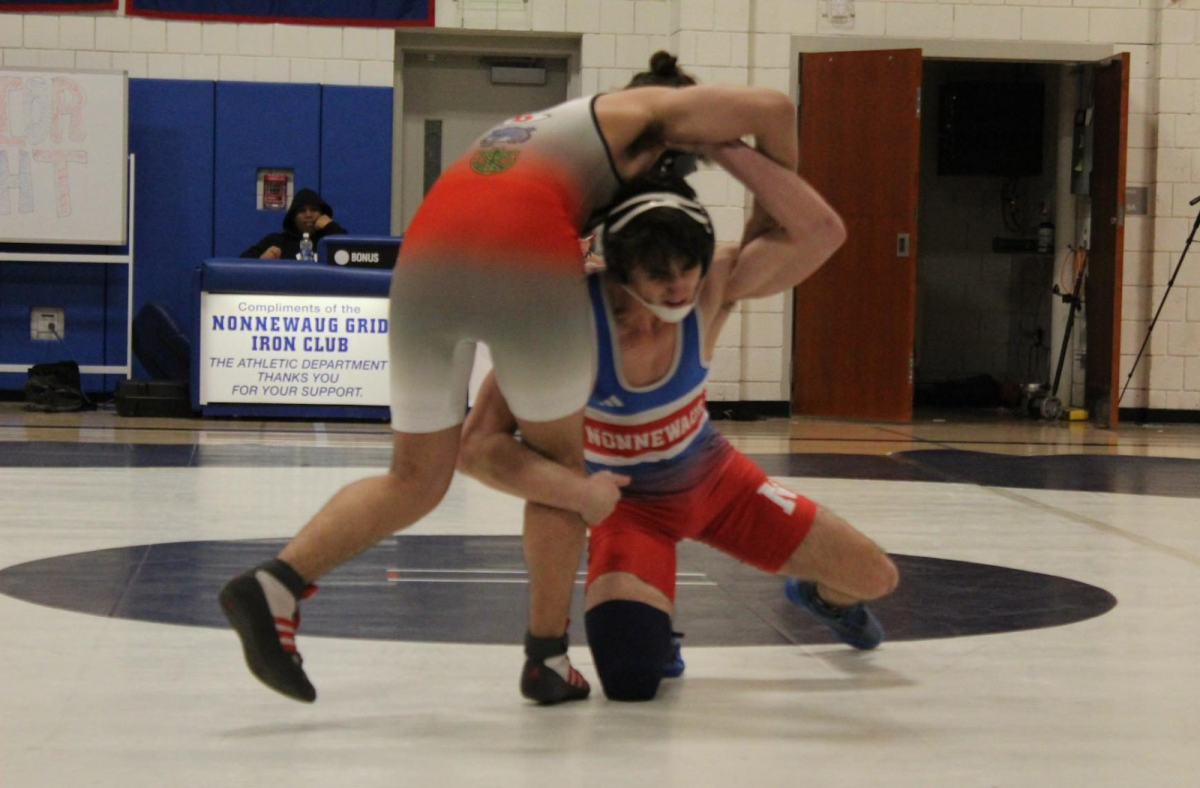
{"x": 521, "y": 195}
{"x": 492, "y": 256}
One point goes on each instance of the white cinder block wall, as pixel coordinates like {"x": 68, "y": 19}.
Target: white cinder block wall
{"x": 160, "y": 49}
{"x": 749, "y": 42}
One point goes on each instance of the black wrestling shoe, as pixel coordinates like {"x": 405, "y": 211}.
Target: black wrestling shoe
{"x": 548, "y": 676}
{"x": 265, "y": 614}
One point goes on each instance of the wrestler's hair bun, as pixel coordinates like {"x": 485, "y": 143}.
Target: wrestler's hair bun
{"x": 663, "y": 63}
{"x": 664, "y": 72}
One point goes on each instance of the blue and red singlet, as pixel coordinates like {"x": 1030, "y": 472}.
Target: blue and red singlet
{"x": 659, "y": 434}
{"x": 687, "y": 481}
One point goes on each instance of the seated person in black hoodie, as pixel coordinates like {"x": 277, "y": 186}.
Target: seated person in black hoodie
{"x": 307, "y": 214}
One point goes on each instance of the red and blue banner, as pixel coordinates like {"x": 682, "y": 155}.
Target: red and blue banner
{"x": 57, "y": 5}
{"x": 373, "y": 13}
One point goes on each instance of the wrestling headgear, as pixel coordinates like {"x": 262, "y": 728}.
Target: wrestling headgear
{"x": 660, "y": 225}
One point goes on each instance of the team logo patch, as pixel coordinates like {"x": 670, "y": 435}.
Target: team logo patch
{"x": 507, "y": 137}
{"x": 491, "y": 162}
{"x": 527, "y": 118}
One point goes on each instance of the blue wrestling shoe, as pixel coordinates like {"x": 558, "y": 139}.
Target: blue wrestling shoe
{"x": 674, "y": 667}
{"x": 854, "y": 625}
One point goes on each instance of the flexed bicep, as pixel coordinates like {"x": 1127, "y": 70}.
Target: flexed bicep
{"x": 792, "y": 232}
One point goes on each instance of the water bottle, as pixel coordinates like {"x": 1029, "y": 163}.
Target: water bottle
{"x": 1045, "y": 237}
{"x": 306, "y": 249}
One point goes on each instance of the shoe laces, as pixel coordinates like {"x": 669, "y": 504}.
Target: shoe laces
{"x": 308, "y": 591}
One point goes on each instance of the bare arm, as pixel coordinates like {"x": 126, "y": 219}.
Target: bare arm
{"x": 803, "y": 233}
{"x": 639, "y": 124}
{"x": 725, "y": 113}
{"x": 491, "y": 453}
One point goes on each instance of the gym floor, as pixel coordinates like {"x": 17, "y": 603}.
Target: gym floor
{"x": 1044, "y": 632}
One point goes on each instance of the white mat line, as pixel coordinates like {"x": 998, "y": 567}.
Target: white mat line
{"x": 468, "y": 580}
{"x": 501, "y": 572}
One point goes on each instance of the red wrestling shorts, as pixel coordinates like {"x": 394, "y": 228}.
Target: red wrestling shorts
{"x": 736, "y": 509}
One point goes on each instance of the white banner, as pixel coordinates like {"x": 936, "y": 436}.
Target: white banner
{"x": 293, "y": 350}
{"x": 63, "y": 156}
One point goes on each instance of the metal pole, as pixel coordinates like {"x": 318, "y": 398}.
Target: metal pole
{"x": 1162, "y": 303}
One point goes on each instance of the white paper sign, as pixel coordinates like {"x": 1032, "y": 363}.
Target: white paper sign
{"x": 63, "y": 156}
{"x": 293, "y": 350}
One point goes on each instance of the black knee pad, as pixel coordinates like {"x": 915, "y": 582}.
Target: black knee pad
{"x": 630, "y": 642}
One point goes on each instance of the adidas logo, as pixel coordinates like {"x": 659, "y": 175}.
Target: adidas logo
{"x": 613, "y": 402}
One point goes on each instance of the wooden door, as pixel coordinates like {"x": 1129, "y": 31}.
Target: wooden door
{"x": 860, "y": 137}
{"x": 1102, "y": 304}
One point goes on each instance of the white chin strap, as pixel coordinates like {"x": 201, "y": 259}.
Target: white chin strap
{"x": 667, "y": 314}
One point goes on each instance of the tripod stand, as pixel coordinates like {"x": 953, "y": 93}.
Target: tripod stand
{"x": 1047, "y": 405}
{"x": 1163, "y": 302}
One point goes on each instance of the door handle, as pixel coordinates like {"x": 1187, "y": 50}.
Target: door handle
{"x": 902, "y": 244}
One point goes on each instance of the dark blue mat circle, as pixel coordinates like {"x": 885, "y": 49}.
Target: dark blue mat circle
{"x": 471, "y": 589}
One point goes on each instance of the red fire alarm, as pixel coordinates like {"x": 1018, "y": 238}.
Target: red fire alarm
{"x": 275, "y": 191}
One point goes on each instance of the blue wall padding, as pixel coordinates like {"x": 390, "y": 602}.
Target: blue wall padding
{"x": 356, "y": 156}
{"x": 199, "y": 146}
{"x": 171, "y": 132}
{"x": 260, "y": 124}
{"x": 116, "y": 297}
{"x": 77, "y": 288}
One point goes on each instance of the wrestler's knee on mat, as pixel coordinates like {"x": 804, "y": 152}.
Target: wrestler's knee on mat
{"x": 630, "y": 643}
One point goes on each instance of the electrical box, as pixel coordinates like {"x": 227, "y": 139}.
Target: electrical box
{"x": 45, "y": 322}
